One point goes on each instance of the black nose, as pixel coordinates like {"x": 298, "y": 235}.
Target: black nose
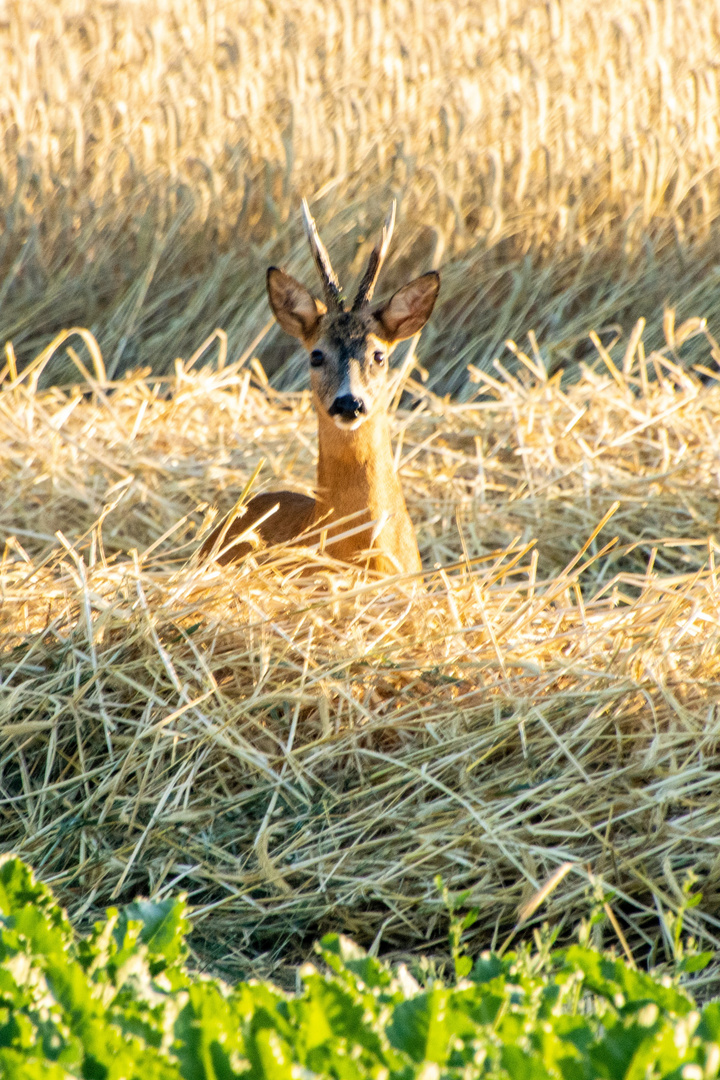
{"x": 347, "y": 407}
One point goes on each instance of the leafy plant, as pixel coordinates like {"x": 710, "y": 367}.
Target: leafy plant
{"x": 120, "y": 1003}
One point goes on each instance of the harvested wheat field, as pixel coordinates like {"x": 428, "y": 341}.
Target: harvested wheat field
{"x": 301, "y": 747}
{"x": 295, "y": 744}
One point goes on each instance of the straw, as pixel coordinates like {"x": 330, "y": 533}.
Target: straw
{"x": 300, "y": 746}
{"x": 563, "y": 166}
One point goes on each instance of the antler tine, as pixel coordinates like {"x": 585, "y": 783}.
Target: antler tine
{"x": 330, "y": 283}
{"x": 377, "y": 258}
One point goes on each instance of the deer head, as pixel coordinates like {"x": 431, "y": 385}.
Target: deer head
{"x": 350, "y": 347}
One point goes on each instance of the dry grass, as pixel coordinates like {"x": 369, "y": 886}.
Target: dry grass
{"x": 305, "y": 751}
{"x": 559, "y": 159}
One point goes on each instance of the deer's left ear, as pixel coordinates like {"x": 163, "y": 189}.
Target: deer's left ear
{"x": 408, "y": 309}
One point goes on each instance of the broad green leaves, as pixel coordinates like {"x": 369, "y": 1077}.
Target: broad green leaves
{"x": 120, "y": 1004}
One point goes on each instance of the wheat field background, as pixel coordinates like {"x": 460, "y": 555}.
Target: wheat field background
{"x": 558, "y": 160}
{"x": 303, "y": 751}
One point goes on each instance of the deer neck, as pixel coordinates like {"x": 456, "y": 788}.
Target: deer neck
{"x": 356, "y": 470}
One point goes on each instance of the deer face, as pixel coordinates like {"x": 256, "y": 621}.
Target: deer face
{"x": 348, "y": 368}
{"x": 350, "y": 350}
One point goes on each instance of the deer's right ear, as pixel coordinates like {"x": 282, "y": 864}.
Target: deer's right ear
{"x": 296, "y": 309}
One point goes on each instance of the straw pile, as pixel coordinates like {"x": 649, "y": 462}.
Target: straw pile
{"x": 302, "y": 747}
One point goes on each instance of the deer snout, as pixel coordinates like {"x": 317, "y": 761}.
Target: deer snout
{"x": 347, "y": 407}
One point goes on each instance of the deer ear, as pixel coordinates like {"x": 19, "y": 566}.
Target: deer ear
{"x": 296, "y": 309}
{"x": 409, "y": 309}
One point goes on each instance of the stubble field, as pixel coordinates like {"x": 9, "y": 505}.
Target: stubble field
{"x": 306, "y": 751}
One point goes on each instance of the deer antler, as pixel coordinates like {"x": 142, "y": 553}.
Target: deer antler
{"x": 330, "y": 283}
{"x": 377, "y": 258}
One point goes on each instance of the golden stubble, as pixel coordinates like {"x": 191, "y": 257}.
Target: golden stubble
{"x": 284, "y": 739}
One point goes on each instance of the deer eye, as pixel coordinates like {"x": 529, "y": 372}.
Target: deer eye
{"x": 317, "y": 358}
{"x": 379, "y": 358}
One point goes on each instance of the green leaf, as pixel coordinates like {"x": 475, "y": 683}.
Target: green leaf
{"x": 481, "y": 1004}
{"x": 29, "y": 908}
{"x": 19, "y": 890}
{"x": 709, "y": 1027}
{"x": 471, "y": 918}
{"x": 207, "y": 1035}
{"x": 163, "y": 926}
{"x": 695, "y": 962}
{"x": 622, "y": 985}
{"x": 463, "y": 966}
{"x": 625, "y": 1052}
{"x": 419, "y": 1026}
{"x": 341, "y": 1014}
{"x": 520, "y": 1065}
{"x": 15, "y": 1066}
{"x": 274, "y": 1056}
{"x": 342, "y": 954}
{"x": 486, "y": 968}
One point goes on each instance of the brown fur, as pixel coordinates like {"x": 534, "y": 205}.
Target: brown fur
{"x": 356, "y": 473}
{"x": 293, "y": 516}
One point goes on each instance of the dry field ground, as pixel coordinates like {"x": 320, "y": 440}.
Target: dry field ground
{"x": 305, "y": 751}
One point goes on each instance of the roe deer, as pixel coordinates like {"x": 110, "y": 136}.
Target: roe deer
{"x": 349, "y": 350}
